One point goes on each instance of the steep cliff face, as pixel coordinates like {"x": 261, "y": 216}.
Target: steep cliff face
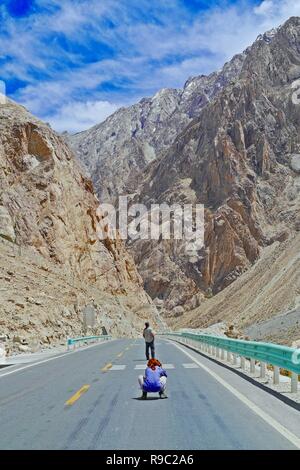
{"x": 52, "y": 261}
{"x": 229, "y": 141}
{"x": 115, "y": 151}
{"x": 237, "y": 159}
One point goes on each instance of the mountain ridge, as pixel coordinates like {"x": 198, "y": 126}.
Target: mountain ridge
{"x": 143, "y": 131}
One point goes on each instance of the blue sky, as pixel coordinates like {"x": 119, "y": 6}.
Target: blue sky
{"x": 74, "y": 62}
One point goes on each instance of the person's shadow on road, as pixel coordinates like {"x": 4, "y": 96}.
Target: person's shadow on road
{"x": 148, "y": 398}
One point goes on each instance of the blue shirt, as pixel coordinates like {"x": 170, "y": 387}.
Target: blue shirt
{"x": 151, "y": 380}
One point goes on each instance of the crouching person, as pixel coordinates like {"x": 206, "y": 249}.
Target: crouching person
{"x": 154, "y": 380}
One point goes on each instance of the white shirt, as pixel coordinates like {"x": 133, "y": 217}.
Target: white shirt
{"x": 148, "y": 335}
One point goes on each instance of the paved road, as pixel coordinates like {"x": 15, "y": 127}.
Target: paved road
{"x": 104, "y": 412}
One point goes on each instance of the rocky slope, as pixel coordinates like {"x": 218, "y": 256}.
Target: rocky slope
{"x": 52, "y": 263}
{"x": 239, "y": 156}
{"x": 264, "y": 302}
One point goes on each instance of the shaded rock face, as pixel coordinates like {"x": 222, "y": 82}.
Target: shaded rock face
{"x": 51, "y": 258}
{"x": 237, "y": 157}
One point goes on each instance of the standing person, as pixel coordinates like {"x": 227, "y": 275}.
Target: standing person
{"x": 154, "y": 380}
{"x": 149, "y": 340}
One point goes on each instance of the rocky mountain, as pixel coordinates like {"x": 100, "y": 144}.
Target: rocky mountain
{"x": 238, "y": 155}
{"x": 115, "y": 151}
{"x": 52, "y": 262}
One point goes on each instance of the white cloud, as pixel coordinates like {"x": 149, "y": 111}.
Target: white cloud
{"x": 147, "y": 55}
{"x": 265, "y": 8}
{"x": 75, "y": 116}
{"x": 278, "y": 10}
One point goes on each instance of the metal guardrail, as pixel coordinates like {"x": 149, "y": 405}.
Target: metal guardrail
{"x": 86, "y": 339}
{"x": 280, "y": 357}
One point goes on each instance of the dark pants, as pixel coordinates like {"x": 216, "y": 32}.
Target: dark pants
{"x": 150, "y": 346}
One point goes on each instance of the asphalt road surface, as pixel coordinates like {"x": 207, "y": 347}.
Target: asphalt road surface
{"x": 89, "y": 399}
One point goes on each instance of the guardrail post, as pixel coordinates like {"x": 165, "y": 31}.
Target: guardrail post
{"x": 252, "y": 366}
{"x": 228, "y": 356}
{"x": 223, "y": 354}
{"x": 234, "y": 359}
{"x": 243, "y": 363}
{"x": 262, "y": 370}
{"x": 276, "y": 375}
{"x": 294, "y": 382}
{"x": 218, "y": 353}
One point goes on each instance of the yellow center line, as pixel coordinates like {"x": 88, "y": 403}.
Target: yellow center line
{"x": 77, "y": 395}
{"x": 107, "y": 367}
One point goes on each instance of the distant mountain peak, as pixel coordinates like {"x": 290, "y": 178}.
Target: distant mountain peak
{"x": 268, "y": 36}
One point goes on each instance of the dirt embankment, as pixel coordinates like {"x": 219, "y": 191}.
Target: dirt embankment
{"x": 253, "y": 303}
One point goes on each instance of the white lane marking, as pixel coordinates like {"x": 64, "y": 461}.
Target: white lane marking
{"x": 164, "y": 366}
{"x": 117, "y": 367}
{"x": 69, "y": 353}
{"x": 190, "y": 365}
{"x": 295, "y": 440}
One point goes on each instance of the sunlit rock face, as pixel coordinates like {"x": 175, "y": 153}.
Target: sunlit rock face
{"x": 52, "y": 262}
